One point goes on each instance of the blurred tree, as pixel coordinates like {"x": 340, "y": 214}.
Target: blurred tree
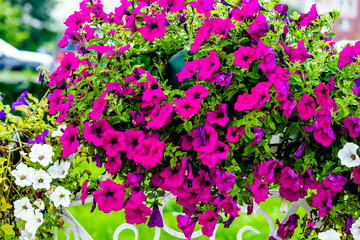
{"x": 10, "y": 24}
{"x": 36, "y": 21}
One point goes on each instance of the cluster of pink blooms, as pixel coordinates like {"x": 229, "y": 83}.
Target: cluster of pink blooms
{"x": 199, "y": 178}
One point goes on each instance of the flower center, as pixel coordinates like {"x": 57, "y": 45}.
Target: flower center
{"x": 62, "y": 196}
{"x": 41, "y": 180}
{"x": 220, "y": 114}
{"x": 353, "y": 156}
{"x": 187, "y": 106}
{"x": 41, "y": 157}
{"x": 25, "y": 207}
{"x": 109, "y": 194}
{"x": 22, "y": 177}
{"x": 154, "y": 86}
{"x": 197, "y": 96}
{"x": 245, "y": 58}
{"x": 153, "y": 26}
{"x": 113, "y": 141}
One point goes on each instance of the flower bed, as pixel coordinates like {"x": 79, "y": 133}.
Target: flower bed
{"x": 250, "y": 72}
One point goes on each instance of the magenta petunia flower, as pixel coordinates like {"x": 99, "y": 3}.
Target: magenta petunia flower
{"x": 173, "y": 177}
{"x": 160, "y": 116}
{"x": 324, "y": 136}
{"x": 308, "y": 180}
{"x": 154, "y": 90}
{"x": 154, "y": 28}
{"x": 208, "y": 220}
{"x": 111, "y": 197}
{"x": 188, "y": 71}
{"x": 136, "y": 212}
{"x": 248, "y": 9}
{"x": 213, "y": 158}
{"x": 220, "y": 117}
{"x": 282, "y": 9}
{"x": 261, "y": 90}
{"x": 246, "y": 102}
{"x": 266, "y": 170}
{"x": 258, "y": 27}
{"x": 187, "y": 107}
{"x": 223, "y": 180}
{"x": 306, "y": 107}
{"x": 258, "y": 134}
{"x": 222, "y": 27}
{"x": 204, "y": 6}
{"x": 113, "y": 164}
{"x": 353, "y": 125}
{"x": 186, "y": 224}
{"x": 230, "y": 206}
{"x": 56, "y": 101}
{"x": 173, "y": 5}
{"x": 149, "y": 152}
{"x": 208, "y": 65}
{"x": 306, "y": 19}
{"x": 259, "y": 190}
{"x": 322, "y": 93}
{"x": 287, "y": 230}
{"x": 268, "y": 62}
{"x": 132, "y": 139}
{"x": 233, "y": 132}
{"x": 84, "y": 191}
{"x": 203, "y": 33}
{"x": 113, "y": 142}
{"x": 69, "y": 140}
{"x": 334, "y": 182}
{"x": 205, "y": 138}
{"x": 98, "y": 107}
{"x": 300, "y": 54}
{"x": 348, "y": 55}
{"x": 94, "y": 132}
{"x": 197, "y": 92}
{"x": 322, "y": 199}
{"x": 356, "y": 175}
{"x": 244, "y": 56}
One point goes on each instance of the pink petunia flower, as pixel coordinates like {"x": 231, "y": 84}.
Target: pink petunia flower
{"x": 222, "y": 27}
{"x": 233, "y": 133}
{"x": 188, "y": 71}
{"x": 94, "y": 132}
{"x": 160, "y": 116}
{"x": 322, "y": 199}
{"x": 259, "y": 190}
{"x": 208, "y": 220}
{"x": 300, "y": 54}
{"x": 258, "y": 27}
{"x": 204, "y": 138}
{"x": 197, "y": 92}
{"x": 186, "y": 224}
{"x": 187, "y": 107}
{"x": 348, "y": 55}
{"x": 112, "y": 142}
{"x": 306, "y": 107}
{"x": 113, "y": 164}
{"x": 353, "y": 125}
{"x": 322, "y": 93}
{"x": 149, "y": 152}
{"x": 306, "y": 19}
{"x": 261, "y": 90}
{"x": 111, "y": 197}
{"x": 173, "y": 177}
{"x": 208, "y": 65}
{"x": 56, "y": 101}
{"x": 246, "y": 102}
{"x": 268, "y": 62}
{"x": 84, "y": 191}
{"x": 204, "y": 6}
{"x": 154, "y": 90}
{"x": 220, "y": 117}
{"x": 154, "y": 28}
{"x": 136, "y": 212}
{"x": 69, "y": 140}
{"x": 202, "y": 34}
{"x": 244, "y": 56}
{"x": 98, "y": 107}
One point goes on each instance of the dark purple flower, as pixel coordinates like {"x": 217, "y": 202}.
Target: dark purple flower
{"x": 287, "y": 230}
{"x": 156, "y": 219}
{"x": 229, "y": 221}
{"x": 258, "y": 134}
{"x": 200, "y": 135}
{"x": 97, "y": 159}
{"x": 40, "y": 138}
{"x": 2, "y": 115}
{"x": 222, "y": 78}
{"x": 300, "y": 150}
{"x": 20, "y": 101}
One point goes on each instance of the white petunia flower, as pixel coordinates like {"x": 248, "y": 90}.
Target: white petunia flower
{"x": 40, "y": 179}
{"x": 21, "y": 174}
{"x": 329, "y": 235}
{"x": 23, "y": 209}
{"x": 42, "y": 154}
{"x": 25, "y": 235}
{"x": 40, "y": 204}
{"x": 61, "y": 196}
{"x": 58, "y": 132}
{"x": 59, "y": 169}
{"x": 355, "y": 229}
{"x": 33, "y": 223}
{"x": 348, "y": 155}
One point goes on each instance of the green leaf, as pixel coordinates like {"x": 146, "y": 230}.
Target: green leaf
{"x": 249, "y": 149}
{"x": 8, "y": 229}
{"x": 249, "y": 133}
{"x": 292, "y": 130}
{"x": 173, "y": 162}
{"x": 188, "y": 126}
{"x": 253, "y": 75}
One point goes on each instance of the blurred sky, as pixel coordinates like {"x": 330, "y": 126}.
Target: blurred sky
{"x": 67, "y": 7}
